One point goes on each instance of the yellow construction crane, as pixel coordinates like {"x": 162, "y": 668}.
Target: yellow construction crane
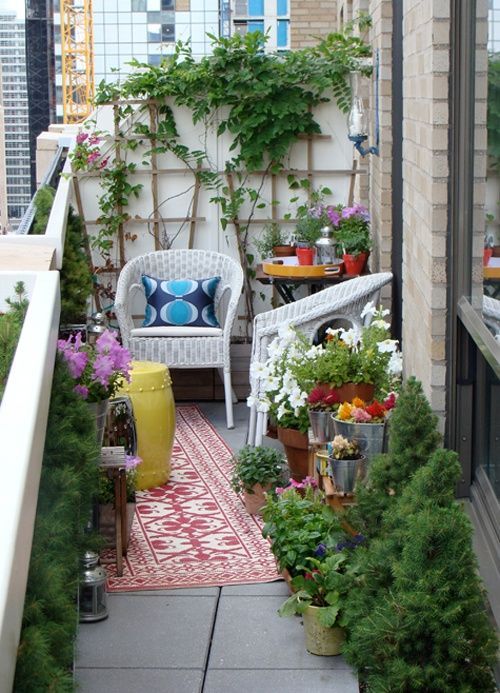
{"x": 77, "y": 58}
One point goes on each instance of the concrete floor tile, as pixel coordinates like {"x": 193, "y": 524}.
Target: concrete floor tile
{"x": 291, "y": 681}
{"x": 181, "y": 592}
{"x": 278, "y": 588}
{"x": 249, "y": 634}
{"x": 139, "y": 680}
{"x": 149, "y": 632}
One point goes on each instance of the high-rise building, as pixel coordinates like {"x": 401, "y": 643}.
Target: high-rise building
{"x": 3, "y": 176}
{"x": 15, "y": 109}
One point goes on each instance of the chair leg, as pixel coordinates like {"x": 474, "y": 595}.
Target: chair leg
{"x": 252, "y": 422}
{"x": 228, "y": 394}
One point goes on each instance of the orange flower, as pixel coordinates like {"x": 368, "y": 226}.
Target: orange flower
{"x": 344, "y": 411}
{"x": 358, "y": 403}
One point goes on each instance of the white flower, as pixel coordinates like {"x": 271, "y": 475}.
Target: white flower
{"x": 289, "y": 382}
{"x": 275, "y": 349}
{"x": 259, "y": 370}
{"x": 369, "y": 309}
{"x": 350, "y": 337}
{"x": 281, "y": 411}
{"x": 381, "y": 323}
{"x": 387, "y": 346}
{"x": 334, "y": 333}
{"x": 271, "y": 382}
{"x": 297, "y": 399}
{"x": 252, "y": 401}
{"x": 287, "y": 334}
{"x": 263, "y": 405}
{"x": 313, "y": 352}
{"x": 395, "y": 365}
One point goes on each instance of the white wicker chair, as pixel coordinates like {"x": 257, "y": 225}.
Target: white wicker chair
{"x": 491, "y": 314}
{"x": 197, "y": 350}
{"x": 342, "y": 301}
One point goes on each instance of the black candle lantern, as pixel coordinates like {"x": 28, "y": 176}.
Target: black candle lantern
{"x": 92, "y": 594}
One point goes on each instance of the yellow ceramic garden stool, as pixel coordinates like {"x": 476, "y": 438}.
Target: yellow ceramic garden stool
{"x": 150, "y": 390}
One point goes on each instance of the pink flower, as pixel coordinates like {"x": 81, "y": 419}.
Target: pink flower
{"x": 93, "y": 140}
{"x": 81, "y": 390}
{"x": 81, "y": 137}
{"x": 132, "y": 461}
{"x": 92, "y": 157}
{"x": 104, "y": 162}
{"x": 76, "y": 360}
{"x": 106, "y": 342}
{"x": 360, "y": 415}
{"x": 334, "y": 216}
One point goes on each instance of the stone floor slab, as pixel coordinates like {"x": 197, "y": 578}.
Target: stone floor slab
{"x": 134, "y": 680}
{"x": 291, "y": 681}
{"x": 147, "y": 632}
{"x": 278, "y": 588}
{"x": 249, "y": 634}
{"x": 180, "y": 592}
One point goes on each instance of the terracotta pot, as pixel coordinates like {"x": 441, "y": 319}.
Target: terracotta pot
{"x": 355, "y": 264}
{"x": 348, "y": 391}
{"x": 283, "y": 250}
{"x": 254, "y": 502}
{"x": 487, "y": 255}
{"x": 305, "y": 256}
{"x": 285, "y": 574}
{"x": 296, "y": 446}
{"x": 321, "y": 640}
{"x": 496, "y": 251}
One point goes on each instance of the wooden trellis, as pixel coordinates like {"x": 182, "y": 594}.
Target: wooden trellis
{"x": 156, "y": 220}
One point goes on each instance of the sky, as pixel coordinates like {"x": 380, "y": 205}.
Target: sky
{"x": 16, "y": 5}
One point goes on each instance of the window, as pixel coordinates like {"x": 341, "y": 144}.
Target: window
{"x": 154, "y": 33}
{"x": 167, "y": 4}
{"x": 168, "y": 32}
{"x": 139, "y": 6}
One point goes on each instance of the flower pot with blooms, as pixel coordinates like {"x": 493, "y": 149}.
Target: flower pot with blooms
{"x": 321, "y": 589}
{"x": 98, "y": 371}
{"x": 284, "y": 398}
{"x": 360, "y": 356}
{"x": 346, "y": 463}
{"x": 256, "y": 471}
{"x": 365, "y": 423}
{"x": 311, "y": 218}
{"x": 107, "y": 500}
{"x": 322, "y": 401}
{"x": 296, "y": 521}
{"x": 353, "y": 234}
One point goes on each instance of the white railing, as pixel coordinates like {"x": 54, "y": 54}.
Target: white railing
{"x": 23, "y": 421}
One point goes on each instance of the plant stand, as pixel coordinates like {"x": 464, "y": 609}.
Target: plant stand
{"x": 113, "y": 463}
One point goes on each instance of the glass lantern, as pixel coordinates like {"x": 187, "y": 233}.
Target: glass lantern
{"x": 92, "y": 594}
{"x": 325, "y": 247}
{"x": 96, "y": 326}
{"x": 357, "y": 123}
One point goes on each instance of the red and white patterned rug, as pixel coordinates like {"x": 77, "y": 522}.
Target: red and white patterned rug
{"x": 194, "y": 531}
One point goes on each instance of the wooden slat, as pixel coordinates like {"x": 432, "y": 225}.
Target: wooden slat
{"x": 194, "y": 210}
{"x": 33, "y": 258}
{"x": 154, "y": 173}
{"x": 118, "y": 158}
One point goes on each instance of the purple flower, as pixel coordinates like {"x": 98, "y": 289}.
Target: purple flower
{"x": 132, "y": 461}
{"x": 103, "y": 369}
{"x": 333, "y": 215}
{"x": 316, "y": 212}
{"x": 320, "y": 550}
{"x": 92, "y": 157}
{"x": 93, "y": 140}
{"x": 76, "y": 360}
{"x": 81, "y": 137}
{"x": 106, "y": 342}
{"x": 81, "y": 390}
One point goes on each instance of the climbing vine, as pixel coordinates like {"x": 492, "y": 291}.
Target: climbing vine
{"x": 263, "y": 101}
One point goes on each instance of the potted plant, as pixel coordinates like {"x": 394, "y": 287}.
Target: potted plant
{"x": 320, "y": 593}
{"x": 285, "y": 399}
{"x": 98, "y": 371}
{"x": 107, "y": 499}
{"x": 311, "y": 218}
{"x": 298, "y": 524}
{"x": 322, "y": 401}
{"x": 274, "y": 242}
{"x": 346, "y": 463}
{"x": 353, "y": 235}
{"x": 365, "y": 424}
{"x": 256, "y": 471}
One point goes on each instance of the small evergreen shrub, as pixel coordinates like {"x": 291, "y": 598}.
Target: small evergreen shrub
{"x": 11, "y": 324}
{"x": 68, "y": 482}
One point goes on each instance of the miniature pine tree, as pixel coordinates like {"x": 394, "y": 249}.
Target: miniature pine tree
{"x": 413, "y": 436}
{"x": 76, "y": 276}
{"x": 416, "y": 619}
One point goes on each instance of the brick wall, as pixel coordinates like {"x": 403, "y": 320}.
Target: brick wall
{"x": 310, "y": 19}
{"x": 425, "y": 193}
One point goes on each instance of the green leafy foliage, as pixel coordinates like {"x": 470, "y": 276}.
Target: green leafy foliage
{"x": 44, "y": 199}
{"x": 296, "y": 522}
{"x": 415, "y": 616}
{"x": 413, "y": 438}
{"x": 68, "y": 482}
{"x": 257, "y": 465}
{"x": 76, "y": 274}
{"x": 11, "y": 324}
{"x": 493, "y": 119}
{"x": 272, "y": 235}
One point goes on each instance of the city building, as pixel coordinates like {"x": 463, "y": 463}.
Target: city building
{"x": 14, "y": 99}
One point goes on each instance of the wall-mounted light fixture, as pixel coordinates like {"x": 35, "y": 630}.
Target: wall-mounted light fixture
{"x": 357, "y": 121}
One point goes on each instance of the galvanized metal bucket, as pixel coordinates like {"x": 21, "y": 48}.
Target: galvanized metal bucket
{"x": 346, "y": 473}
{"x": 370, "y": 437}
{"x": 321, "y": 426}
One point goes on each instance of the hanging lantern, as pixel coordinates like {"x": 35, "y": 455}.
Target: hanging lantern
{"x": 325, "y": 247}
{"x": 92, "y": 594}
{"x": 96, "y": 326}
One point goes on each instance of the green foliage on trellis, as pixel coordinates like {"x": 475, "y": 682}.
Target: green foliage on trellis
{"x": 493, "y": 120}
{"x": 68, "y": 482}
